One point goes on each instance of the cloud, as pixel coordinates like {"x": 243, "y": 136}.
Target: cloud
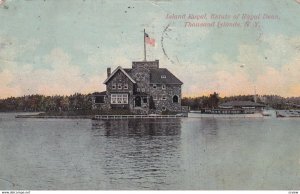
{"x": 225, "y": 75}
{"x": 248, "y": 71}
{"x": 62, "y": 78}
{"x": 6, "y": 77}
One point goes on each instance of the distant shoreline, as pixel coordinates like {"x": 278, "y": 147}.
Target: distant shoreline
{"x": 190, "y": 115}
{"x": 37, "y": 116}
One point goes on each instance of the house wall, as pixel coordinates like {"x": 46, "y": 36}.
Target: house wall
{"x": 142, "y": 77}
{"x": 158, "y": 93}
{"x": 100, "y": 106}
{"x": 146, "y": 64}
{"x": 141, "y": 74}
{"x": 122, "y": 79}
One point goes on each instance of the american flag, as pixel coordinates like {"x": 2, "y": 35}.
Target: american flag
{"x": 149, "y": 40}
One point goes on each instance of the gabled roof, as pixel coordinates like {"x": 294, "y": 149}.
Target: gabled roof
{"x": 115, "y": 71}
{"x": 156, "y": 77}
{"x": 127, "y": 70}
{"x": 242, "y": 104}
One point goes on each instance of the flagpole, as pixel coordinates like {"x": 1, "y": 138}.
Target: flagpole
{"x": 144, "y": 46}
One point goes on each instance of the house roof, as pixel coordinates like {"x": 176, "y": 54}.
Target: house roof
{"x": 241, "y": 103}
{"x": 156, "y": 77}
{"x": 99, "y": 93}
{"x": 141, "y": 94}
{"x": 115, "y": 71}
{"x": 128, "y": 70}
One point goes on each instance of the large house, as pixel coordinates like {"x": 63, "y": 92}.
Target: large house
{"x": 143, "y": 89}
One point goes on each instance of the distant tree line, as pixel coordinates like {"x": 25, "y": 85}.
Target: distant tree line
{"x": 38, "y": 103}
{"x": 213, "y": 100}
{"x": 83, "y": 102}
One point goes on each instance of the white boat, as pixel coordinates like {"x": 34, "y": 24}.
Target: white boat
{"x": 268, "y": 113}
{"x": 288, "y": 113}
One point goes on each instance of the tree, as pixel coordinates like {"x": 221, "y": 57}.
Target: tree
{"x": 213, "y": 100}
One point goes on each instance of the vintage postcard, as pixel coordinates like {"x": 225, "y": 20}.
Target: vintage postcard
{"x": 149, "y": 95}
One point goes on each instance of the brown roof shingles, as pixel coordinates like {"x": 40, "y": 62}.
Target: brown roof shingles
{"x": 156, "y": 77}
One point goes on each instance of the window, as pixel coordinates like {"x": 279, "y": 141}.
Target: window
{"x": 163, "y": 87}
{"x": 125, "y": 86}
{"x": 154, "y": 86}
{"x": 145, "y": 100}
{"x": 113, "y": 86}
{"x": 119, "y": 86}
{"x": 163, "y": 76}
{"x": 143, "y": 89}
{"x": 114, "y": 98}
{"x": 138, "y": 89}
{"x": 163, "y": 108}
{"x": 99, "y": 99}
{"x": 119, "y": 99}
{"x": 164, "y": 97}
{"x": 175, "y": 99}
{"x": 125, "y": 98}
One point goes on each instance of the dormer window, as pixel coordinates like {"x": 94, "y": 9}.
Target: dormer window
{"x": 125, "y": 86}
{"x": 163, "y": 76}
{"x": 154, "y": 86}
{"x": 114, "y": 86}
{"x": 163, "y": 87}
{"x": 119, "y": 86}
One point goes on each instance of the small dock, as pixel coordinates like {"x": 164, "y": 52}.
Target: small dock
{"x": 107, "y": 117}
{"x": 288, "y": 113}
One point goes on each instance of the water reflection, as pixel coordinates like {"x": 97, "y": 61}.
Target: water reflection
{"x": 139, "y": 153}
{"x": 209, "y": 126}
{"x": 185, "y": 153}
{"x": 137, "y": 127}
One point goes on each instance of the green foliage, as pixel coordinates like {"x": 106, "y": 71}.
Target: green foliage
{"x": 198, "y": 103}
{"x": 40, "y": 103}
{"x": 77, "y": 104}
{"x": 211, "y": 101}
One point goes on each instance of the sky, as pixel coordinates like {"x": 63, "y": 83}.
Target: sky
{"x": 61, "y": 47}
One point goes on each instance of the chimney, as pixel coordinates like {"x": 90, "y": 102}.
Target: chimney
{"x": 108, "y": 71}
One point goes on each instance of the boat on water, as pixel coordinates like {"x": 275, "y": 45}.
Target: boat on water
{"x": 268, "y": 112}
{"x": 288, "y": 113}
{"x": 244, "y": 113}
{"x": 224, "y": 111}
{"x": 193, "y": 114}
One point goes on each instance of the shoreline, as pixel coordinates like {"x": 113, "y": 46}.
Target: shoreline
{"x": 190, "y": 115}
{"x": 203, "y": 115}
{"x": 36, "y": 116}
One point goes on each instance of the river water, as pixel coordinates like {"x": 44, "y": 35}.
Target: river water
{"x": 182, "y": 153}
